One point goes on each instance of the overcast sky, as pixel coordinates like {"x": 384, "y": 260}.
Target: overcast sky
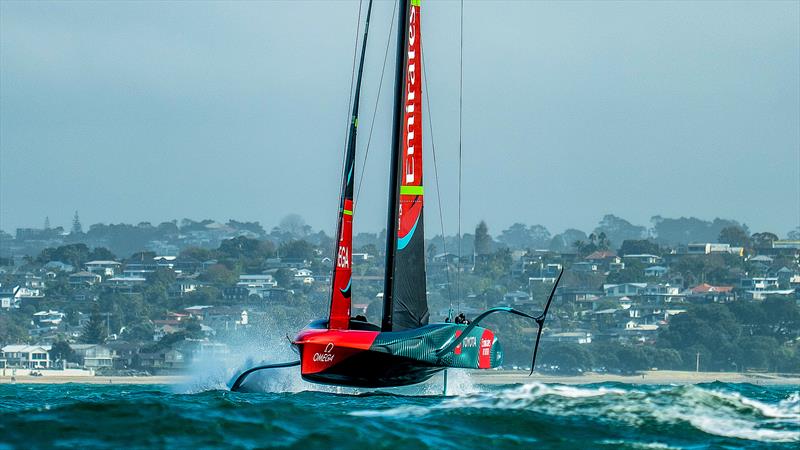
{"x": 152, "y": 111}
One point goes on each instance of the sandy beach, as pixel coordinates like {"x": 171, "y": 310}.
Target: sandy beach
{"x": 94, "y": 380}
{"x": 494, "y": 377}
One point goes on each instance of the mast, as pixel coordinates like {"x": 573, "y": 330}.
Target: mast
{"x": 405, "y": 303}
{"x": 396, "y": 161}
{"x": 342, "y": 273}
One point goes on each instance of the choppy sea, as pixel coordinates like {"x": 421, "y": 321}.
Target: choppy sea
{"x": 541, "y": 416}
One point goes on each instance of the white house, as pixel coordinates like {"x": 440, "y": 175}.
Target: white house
{"x": 93, "y": 356}
{"x": 644, "y": 258}
{"x": 48, "y": 319}
{"x": 27, "y": 356}
{"x": 257, "y": 284}
{"x": 103, "y": 268}
{"x": 712, "y": 247}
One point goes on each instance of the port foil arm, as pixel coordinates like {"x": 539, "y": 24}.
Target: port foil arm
{"x": 236, "y": 386}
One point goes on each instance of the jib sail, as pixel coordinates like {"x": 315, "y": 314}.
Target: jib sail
{"x": 405, "y": 301}
{"x": 341, "y": 283}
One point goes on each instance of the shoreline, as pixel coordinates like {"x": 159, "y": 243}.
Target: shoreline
{"x": 646, "y": 377}
{"x": 491, "y": 378}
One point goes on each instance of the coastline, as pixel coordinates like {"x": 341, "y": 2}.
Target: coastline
{"x": 647, "y": 377}
{"x": 495, "y": 377}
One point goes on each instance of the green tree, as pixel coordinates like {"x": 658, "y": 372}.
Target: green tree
{"x": 639, "y": 247}
{"x": 483, "y": 242}
{"x": 763, "y": 240}
{"x": 243, "y": 247}
{"x": 284, "y": 277}
{"x": 94, "y": 332}
{"x": 617, "y": 229}
{"x": 101, "y": 254}
{"x": 297, "y": 249}
{"x": 219, "y": 274}
{"x": 141, "y": 331}
{"x": 14, "y": 327}
{"x": 198, "y": 253}
{"x": 735, "y": 236}
{"x": 61, "y": 351}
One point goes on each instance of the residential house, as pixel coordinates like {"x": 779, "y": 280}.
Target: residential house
{"x": 584, "y": 267}
{"x": 764, "y": 259}
{"x": 572, "y": 337}
{"x": 643, "y": 258}
{"x": 572, "y": 295}
{"x": 84, "y": 278}
{"x": 786, "y": 243}
{"x": 125, "y": 282}
{"x": 709, "y": 293}
{"x": 759, "y": 288}
{"x": 48, "y": 319}
{"x": 183, "y": 285}
{"x": 606, "y": 259}
{"x": 360, "y": 256}
{"x": 655, "y": 271}
{"x": 304, "y": 276}
{"x": 624, "y": 289}
{"x": 257, "y": 284}
{"x": 94, "y": 356}
{"x": 759, "y": 283}
{"x": 662, "y": 293}
{"x": 9, "y": 296}
{"x": 139, "y": 268}
{"x": 711, "y": 247}
{"x": 516, "y": 297}
{"x": 103, "y": 268}
{"x": 785, "y": 275}
{"x": 27, "y": 356}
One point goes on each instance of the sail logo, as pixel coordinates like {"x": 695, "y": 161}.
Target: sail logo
{"x": 343, "y": 257}
{"x": 326, "y": 355}
{"x": 411, "y": 98}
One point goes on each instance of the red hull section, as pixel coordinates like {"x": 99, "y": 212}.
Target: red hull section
{"x": 369, "y": 358}
{"x": 322, "y": 349}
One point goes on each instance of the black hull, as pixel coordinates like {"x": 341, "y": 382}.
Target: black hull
{"x": 371, "y": 369}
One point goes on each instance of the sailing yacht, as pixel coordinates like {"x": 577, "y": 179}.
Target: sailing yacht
{"x": 405, "y": 348}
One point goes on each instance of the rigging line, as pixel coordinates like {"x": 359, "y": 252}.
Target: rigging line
{"x": 427, "y": 100}
{"x": 460, "y": 133}
{"x": 375, "y": 109}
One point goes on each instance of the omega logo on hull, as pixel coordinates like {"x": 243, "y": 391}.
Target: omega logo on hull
{"x": 326, "y": 356}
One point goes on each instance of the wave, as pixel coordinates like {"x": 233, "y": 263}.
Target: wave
{"x": 712, "y": 411}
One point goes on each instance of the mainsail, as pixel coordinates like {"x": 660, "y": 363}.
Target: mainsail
{"x": 405, "y": 301}
{"x": 341, "y": 283}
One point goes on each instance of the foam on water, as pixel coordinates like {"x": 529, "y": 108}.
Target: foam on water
{"x": 726, "y": 414}
{"x": 603, "y": 416}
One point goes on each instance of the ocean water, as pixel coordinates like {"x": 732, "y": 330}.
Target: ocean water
{"x": 535, "y": 415}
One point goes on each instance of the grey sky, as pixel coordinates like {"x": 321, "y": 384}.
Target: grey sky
{"x": 152, "y": 111}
